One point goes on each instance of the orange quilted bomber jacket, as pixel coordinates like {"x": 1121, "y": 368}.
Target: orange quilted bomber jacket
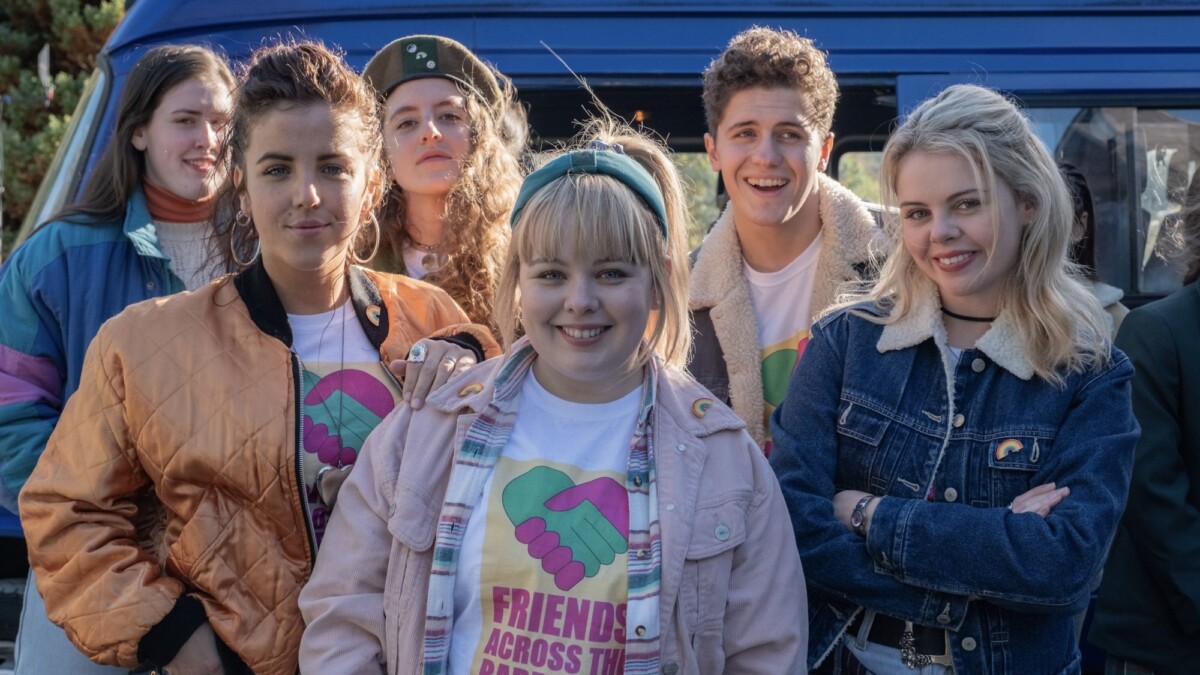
{"x": 171, "y": 481}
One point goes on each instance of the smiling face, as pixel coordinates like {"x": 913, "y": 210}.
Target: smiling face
{"x": 769, "y": 153}
{"x": 183, "y": 138}
{"x": 586, "y": 318}
{"x": 305, "y": 183}
{"x": 426, "y": 135}
{"x": 967, "y": 240}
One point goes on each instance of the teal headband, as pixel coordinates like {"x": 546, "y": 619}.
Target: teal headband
{"x": 600, "y": 158}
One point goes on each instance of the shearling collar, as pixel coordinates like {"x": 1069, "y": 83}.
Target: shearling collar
{"x": 848, "y": 231}
{"x": 1002, "y": 343}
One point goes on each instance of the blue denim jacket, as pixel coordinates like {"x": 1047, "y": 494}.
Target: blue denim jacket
{"x": 948, "y": 445}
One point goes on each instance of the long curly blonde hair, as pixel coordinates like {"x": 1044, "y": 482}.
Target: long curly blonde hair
{"x": 477, "y": 207}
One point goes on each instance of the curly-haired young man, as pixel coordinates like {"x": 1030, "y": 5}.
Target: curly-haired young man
{"x": 790, "y": 235}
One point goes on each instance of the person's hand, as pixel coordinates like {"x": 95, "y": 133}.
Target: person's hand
{"x": 429, "y": 364}
{"x": 573, "y": 529}
{"x": 843, "y": 507}
{"x": 198, "y": 656}
{"x": 1040, "y": 500}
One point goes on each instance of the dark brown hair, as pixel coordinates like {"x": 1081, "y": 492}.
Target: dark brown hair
{"x": 122, "y": 167}
{"x": 770, "y": 58}
{"x": 280, "y": 77}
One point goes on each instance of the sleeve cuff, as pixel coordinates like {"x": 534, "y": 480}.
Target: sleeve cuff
{"x": 160, "y": 645}
{"x": 466, "y": 341}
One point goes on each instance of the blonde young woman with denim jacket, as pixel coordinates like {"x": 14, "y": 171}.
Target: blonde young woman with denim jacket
{"x": 956, "y": 448}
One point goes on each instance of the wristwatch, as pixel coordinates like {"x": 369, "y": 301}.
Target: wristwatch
{"x": 856, "y": 518}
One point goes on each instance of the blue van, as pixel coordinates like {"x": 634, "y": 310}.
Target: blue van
{"x": 1113, "y": 86}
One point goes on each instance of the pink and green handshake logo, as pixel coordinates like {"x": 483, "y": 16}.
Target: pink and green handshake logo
{"x": 573, "y": 529}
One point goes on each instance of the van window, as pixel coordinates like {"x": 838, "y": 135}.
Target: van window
{"x": 700, "y": 189}
{"x": 1138, "y": 163}
{"x": 859, "y": 171}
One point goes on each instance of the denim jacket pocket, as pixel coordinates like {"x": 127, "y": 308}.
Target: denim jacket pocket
{"x": 718, "y": 529}
{"x": 861, "y": 430}
{"x": 1011, "y": 465}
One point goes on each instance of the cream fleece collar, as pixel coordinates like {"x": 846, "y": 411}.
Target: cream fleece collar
{"x": 1002, "y": 343}
{"x": 848, "y": 230}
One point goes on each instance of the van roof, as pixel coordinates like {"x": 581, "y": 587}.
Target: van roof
{"x": 670, "y": 42}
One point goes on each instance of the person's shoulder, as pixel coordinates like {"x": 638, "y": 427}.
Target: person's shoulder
{"x": 58, "y": 238}
{"x": 1181, "y": 306}
{"x": 853, "y": 313}
{"x": 177, "y": 310}
{"x": 404, "y": 287}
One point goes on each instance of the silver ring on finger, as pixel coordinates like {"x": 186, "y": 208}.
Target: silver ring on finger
{"x": 449, "y": 362}
{"x": 417, "y": 353}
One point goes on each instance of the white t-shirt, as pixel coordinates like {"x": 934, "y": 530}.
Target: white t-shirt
{"x": 783, "y": 311}
{"x": 346, "y": 394}
{"x": 565, "y": 466}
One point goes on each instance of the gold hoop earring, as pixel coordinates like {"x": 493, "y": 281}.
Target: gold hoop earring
{"x": 241, "y": 221}
{"x": 362, "y": 260}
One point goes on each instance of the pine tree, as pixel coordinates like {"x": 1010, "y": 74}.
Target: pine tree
{"x": 75, "y": 30}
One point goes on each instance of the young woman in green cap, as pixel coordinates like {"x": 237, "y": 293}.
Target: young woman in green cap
{"x": 452, "y": 135}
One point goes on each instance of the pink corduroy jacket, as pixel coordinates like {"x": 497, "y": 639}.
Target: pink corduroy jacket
{"x": 732, "y": 596}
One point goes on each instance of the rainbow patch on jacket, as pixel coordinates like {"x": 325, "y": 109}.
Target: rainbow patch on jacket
{"x": 373, "y": 314}
{"x": 1008, "y": 447}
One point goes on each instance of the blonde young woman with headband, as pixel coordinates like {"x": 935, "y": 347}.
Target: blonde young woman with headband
{"x": 955, "y": 448}
{"x": 581, "y": 505}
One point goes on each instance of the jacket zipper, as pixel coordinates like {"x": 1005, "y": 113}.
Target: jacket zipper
{"x": 391, "y": 376}
{"x": 308, "y": 526}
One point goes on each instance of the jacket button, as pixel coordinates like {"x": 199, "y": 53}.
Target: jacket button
{"x": 978, "y": 365}
{"x": 681, "y": 447}
{"x": 943, "y": 618}
{"x": 637, "y": 481}
{"x": 670, "y": 669}
{"x": 640, "y": 630}
{"x": 968, "y": 644}
{"x": 721, "y": 533}
{"x": 958, "y": 420}
{"x": 643, "y": 554}
{"x": 150, "y": 285}
{"x": 950, "y": 494}
{"x": 670, "y": 507}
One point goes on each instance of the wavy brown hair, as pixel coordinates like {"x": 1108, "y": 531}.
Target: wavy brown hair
{"x": 476, "y": 223}
{"x": 281, "y": 77}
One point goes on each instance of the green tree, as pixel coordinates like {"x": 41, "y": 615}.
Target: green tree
{"x": 700, "y": 187}
{"x": 34, "y": 123}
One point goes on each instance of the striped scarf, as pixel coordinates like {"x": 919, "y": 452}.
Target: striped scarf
{"x": 473, "y": 466}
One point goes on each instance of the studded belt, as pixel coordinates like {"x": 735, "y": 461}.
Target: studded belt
{"x": 919, "y": 645}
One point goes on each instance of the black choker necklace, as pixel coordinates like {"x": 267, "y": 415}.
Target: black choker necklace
{"x": 963, "y": 317}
